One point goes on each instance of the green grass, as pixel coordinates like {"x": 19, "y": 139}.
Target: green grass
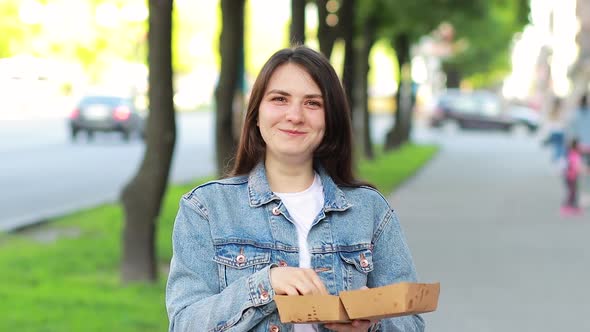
{"x": 71, "y": 282}
{"x": 389, "y": 170}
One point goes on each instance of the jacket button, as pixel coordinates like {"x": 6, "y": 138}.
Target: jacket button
{"x": 282, "y": 263}
{"x": 240, "y": 259}
{"x": 276, "y": 211}
{"x": 264, "y": 296}
{"x": 364, "y": 262}
{"x": 274, "y": 328}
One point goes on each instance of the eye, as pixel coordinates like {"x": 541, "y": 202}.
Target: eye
{"x": 279, "y": 99}
{"x": 313, "y": 103}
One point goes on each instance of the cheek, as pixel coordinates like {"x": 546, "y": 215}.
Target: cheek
{"x": 318, "y": 121}
{"x": 265, "y": 123}
{"x": 268, "y": 116}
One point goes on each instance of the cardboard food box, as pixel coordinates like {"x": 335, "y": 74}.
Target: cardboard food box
{"x": 405, "y": 298}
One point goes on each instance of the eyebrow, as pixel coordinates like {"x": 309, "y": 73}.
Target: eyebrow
{"x": 285, "y": 93}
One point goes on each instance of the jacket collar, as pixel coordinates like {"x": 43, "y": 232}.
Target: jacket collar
{"x": 259, "y": 192}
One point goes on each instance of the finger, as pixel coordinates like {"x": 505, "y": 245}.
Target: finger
{"x": 338, "y": 327}
{"x": 320, "y": 288}
{"x": 308, "y": 287}
{"x": 317, "y": 282}
{"x": 305, "y": 283}
{"x": 304, "y": 287}
{"x": 361, "y": 325}
{"x": 290, "y": 290}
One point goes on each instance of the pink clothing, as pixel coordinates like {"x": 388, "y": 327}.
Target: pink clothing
{"x": 574, "y": 164}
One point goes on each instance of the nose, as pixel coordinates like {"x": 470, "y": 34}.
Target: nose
{"x": 295, "y": 113}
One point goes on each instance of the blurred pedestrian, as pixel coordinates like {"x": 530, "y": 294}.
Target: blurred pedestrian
{"x": 291, "y": 220}
{"x": 579, "y": 128}
{"x": 574, "y": 167}
{"x": 555, "y": 132}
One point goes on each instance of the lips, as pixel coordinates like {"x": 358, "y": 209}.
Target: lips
{"x": 292, "y": 132}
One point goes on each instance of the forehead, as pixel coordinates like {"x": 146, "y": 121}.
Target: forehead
{"x": 292, "y": 78}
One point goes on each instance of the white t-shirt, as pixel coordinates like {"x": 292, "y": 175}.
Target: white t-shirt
{"x": 303, "y": 208}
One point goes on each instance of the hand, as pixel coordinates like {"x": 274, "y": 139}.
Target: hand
{"x": 356, "y": 326}
{"x": 296, "y": 281}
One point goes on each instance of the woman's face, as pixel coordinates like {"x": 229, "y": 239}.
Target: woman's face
{"x": 291, "y": 115}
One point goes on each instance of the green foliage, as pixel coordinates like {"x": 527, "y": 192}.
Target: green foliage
{"x": 64, "y": 275}
{"x": 488, "y": 40}
{"x": 77, "y": 37}
{"x": 13, "y": 32}
{"x": 485, "y": 26}
{"x": 418, "y": 17}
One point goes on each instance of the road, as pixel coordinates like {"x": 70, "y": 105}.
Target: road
{"x": 45, "y": 175}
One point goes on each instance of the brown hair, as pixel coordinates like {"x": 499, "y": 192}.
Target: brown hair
{"x": 335, "y": 151}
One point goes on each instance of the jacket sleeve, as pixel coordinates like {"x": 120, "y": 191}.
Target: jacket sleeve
{"x": 193, "y": 298}
{"x": 393, "y": 263}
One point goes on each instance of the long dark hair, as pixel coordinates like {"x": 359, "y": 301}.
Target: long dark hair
{"x": 335, "y": 151}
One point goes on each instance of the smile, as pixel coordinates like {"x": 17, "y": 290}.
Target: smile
{"x": 292, "y": 132}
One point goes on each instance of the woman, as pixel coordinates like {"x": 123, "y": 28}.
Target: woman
{"x": 291, "y": 220}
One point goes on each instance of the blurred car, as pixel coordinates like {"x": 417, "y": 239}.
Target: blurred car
{"x": 474, "y": 110}
{"x": 106, "y": 113}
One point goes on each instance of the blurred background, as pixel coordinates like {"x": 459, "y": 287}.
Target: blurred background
{"x": 89, "y": 90}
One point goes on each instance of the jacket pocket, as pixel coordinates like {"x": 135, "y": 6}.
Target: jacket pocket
{"x": 357, "y": 265}
{"x": 238, "y": 260}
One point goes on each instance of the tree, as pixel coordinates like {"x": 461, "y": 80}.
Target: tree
{"x": 357, "y": 27}
{"x": 408, "y": 21}
{"x": 327, "y": 33}
{"x": 142, "y": 196}
{"x": 347, "y": 33}
{"x": 14, "y": 33}
{"x": 485, "y": 61}
{"x": 404, "y": 101}
{"x": 231, "y": 48}
{"x": 364, "y": 40}
{"x": 297, "y": 29}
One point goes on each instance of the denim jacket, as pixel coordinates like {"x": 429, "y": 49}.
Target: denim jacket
{"x": 229, "y": 233}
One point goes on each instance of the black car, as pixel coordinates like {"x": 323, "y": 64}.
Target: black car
{"x": 106, "y": 113}
{"x": 475, "y": 110}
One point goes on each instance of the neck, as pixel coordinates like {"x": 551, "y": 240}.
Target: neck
{"x": 288, "y": 177}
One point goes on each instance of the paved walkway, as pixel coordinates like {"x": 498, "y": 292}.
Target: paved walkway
{"x": 483, "y": 219}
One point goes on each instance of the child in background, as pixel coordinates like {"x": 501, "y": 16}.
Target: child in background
{"x": 573, "y": 168}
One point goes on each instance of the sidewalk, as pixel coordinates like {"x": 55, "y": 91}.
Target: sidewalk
{"x": 483, "y": 219}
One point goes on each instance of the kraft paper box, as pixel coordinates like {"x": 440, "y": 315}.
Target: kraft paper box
{"x": 393, "y": 300}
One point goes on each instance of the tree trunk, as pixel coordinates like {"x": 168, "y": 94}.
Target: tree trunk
{"x": 231, "y": 44}
{"x": 297, "y": 31}
{"x": 142, "y": 196}
{"x": 360, "y": 107}
{"x": 400, "y": 132}
{"x": 347, "y": 24}
{"x": 452, "y": 74}
{"x": 326, "y": 34}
